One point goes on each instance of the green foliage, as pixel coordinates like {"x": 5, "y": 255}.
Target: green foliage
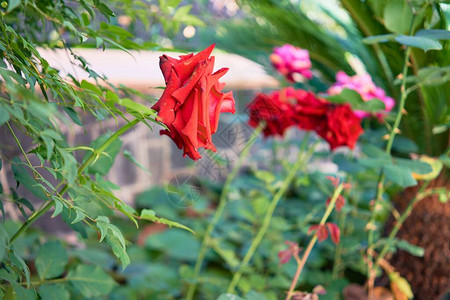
{"x": 38, "y": 107}
{"x": 51, "y": 260}
{"x": 54, "y": 292}
{"x": 90, "y": 281}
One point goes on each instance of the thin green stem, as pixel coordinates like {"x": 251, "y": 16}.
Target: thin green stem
{"x": 380, "y": 184}
{"x": 48, "y": 281}
{"x": 337, "y": 264}
{"x": 402, "y": 220}
{"x": 19, "y": 144}
{"x": 97, "y": 152}
{"x": 313, "y": 241}
{"x": 268, "y": 216}
{"x": 220, "y": 208}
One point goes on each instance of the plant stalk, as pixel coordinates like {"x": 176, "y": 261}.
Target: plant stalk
{"x": 220, "y": 208}
{"x": 268, "y": 216}
{"x": 380, "y": 185}
{"x": 313, "y": 241}
{"x": 401, "y": 220}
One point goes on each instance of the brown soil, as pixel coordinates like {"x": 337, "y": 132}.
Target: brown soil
{"x": 428, "y": 226}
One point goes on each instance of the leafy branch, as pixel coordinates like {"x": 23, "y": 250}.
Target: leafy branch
{"x": 302, "y": 158}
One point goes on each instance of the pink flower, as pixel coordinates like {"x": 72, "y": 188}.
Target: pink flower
{"x": 292, "y": 62}
{"x": 364, "y": 85}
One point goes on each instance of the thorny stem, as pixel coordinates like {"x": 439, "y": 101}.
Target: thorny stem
{"x": 380, "y": 185}
{"x": 97, "y": 152}
{"x": 420, "y": 195}
{"x": 313, "y": 241}
{"x": 268, "y": 216}
{"x": 337, "y": 254}
{"x": 220, "y": 208}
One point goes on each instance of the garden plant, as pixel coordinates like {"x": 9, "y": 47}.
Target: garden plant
{"x": 310, "y": 208}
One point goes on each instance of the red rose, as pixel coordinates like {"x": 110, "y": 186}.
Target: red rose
{"x": 342, "y": 127}
{"x": 309, "y": 110}
{"x": 192, "y": 101}
{"x": 337, "y": 124}
{"x": 287, "y": 107}
{"x": 270, "y": 110}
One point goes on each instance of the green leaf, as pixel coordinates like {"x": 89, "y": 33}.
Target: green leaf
{"x": 91, "y": 87}
{"x": 136, "y": 107}
{"x": 398, "y": 16}
{"x": 410, "y": 248}
{"x": 22, "y": 293}
{"x": 150, "y": 215}
{"x": 114, "y": 239}
{"x": 51, "y": 260}
{"x": 19, "y": 262}
{"x": 433, "y": 75}
{"x": 79, "y": 216}
{"x": 97, "y": 256}
{"x": 374, "y": 152}
{"x": 176, "y": 244}
{"x": 181, "y": 11}
{"x": 4, "y": 115}
{"x": 118, "y": 249}
{"x": 90, "y": 281}
{"x": 73, "y": 115}
{"x": 58, "y": 207}
{"x": 102, "y": 224}
{"x": 106, "y": 160}
{"x": 399, "y": 175}
{"x": 24, "y": 178}
{"x": 12, "y": 4}
{"x": 130, "y": 157}
{"x": 404, "y": 145}
{"x": 438, "y": 34}
{"x": 373, "y": 105}
{"x": 105, "y": 10}
{"x": 415, "y": 166}
{"x": 53, "y": 292}
{"x": 353, "y": 98}
{"x": 4, "y": 239}
{"x": 349, "y": 96}
{"x": 10, "y": 294}
{"x": 382, "y": 38}
{"x": 93, "y": 206}
{"x": 419, "y": 42}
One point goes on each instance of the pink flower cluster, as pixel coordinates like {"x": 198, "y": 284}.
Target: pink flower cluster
{"x": 292, "y": 62}
{"x": 364, "y": 85}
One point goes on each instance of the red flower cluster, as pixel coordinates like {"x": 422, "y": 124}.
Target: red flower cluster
{"x": 337, "y": 124}
{"x": 192, "y": 101}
